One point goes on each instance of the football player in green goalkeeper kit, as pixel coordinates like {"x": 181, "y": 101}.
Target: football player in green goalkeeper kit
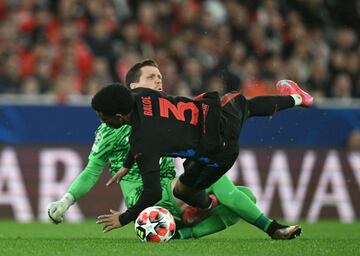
{"x": 111, "y": 146}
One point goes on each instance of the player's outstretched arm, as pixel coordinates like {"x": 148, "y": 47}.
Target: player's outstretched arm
{"x": 79, "y": 188}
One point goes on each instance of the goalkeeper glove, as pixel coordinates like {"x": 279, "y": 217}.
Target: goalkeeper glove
{"x": 57, "y": 209}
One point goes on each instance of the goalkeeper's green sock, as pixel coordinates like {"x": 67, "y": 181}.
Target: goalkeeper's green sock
{"x": 263, "y": 222}
{"x": 241, "y": 201}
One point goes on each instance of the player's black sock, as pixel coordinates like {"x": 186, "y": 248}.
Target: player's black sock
{"x": 268, "y": 105}
{"x": 274, "y": 225}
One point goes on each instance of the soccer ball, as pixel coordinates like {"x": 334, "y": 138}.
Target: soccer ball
{"x": 155, "y": 224}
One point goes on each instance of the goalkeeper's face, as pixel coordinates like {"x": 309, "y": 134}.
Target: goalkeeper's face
{"x": 150, "y": 78}
{"x": 115, "y": 121}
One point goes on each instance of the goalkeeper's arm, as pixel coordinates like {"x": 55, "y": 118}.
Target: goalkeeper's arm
{"x": 79, "y": 188}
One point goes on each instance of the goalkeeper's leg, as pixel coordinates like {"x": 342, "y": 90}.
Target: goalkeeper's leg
{"x": 235, "y": 203}
{"x": 242, "y": 201}
{"x": 219, "y": 219}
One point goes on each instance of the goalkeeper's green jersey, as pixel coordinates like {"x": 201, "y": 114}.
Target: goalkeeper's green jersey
{"x": 111, "y": 146}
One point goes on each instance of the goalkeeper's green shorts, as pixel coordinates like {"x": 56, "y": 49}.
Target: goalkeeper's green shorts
{"x": 132, "y": 190}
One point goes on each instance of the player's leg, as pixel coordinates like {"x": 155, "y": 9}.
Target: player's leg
{"x": 222, "y": 216}
{"x": 239, "y": 202}
{"x": 291, "y": 95}
{"x": 288, "y": 87}
{"x": 219, "y": 219}
{"x": 186, "y": 188}
{"x": 198, "y": 176}
{"x": 236, "y": 109}
{"x": 247, "y": 191}
{"x": 268, "y": 105}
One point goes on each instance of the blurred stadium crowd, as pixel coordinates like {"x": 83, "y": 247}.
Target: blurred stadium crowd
{"x": 63, "y": 47}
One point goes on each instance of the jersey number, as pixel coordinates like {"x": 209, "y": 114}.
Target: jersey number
{"x": 179, "y": 110}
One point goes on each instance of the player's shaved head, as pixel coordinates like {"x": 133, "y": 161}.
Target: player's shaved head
{"x": 113, "y": 99}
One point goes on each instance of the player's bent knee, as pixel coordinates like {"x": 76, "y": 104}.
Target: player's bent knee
{"x": 247, "y": 191}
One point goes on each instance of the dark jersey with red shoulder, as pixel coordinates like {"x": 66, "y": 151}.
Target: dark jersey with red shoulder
{"x": 163, "y": 125}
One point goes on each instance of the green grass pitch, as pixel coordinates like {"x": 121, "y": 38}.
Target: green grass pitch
{"x": 322, "y": 238}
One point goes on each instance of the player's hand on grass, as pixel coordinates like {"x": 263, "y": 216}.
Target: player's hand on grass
{"x": 118, "y": 176}
{"x": 110, "y": 221}
{"x": 57, "y": 209}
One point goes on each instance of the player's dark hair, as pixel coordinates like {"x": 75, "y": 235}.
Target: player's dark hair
{"x": 113, "y": 99}
{"x": 134, "y": 73}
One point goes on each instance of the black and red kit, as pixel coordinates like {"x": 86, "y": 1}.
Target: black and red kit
{"x": 204, "y": 130}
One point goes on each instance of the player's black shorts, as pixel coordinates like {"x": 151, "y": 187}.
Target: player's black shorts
{"x": 202, "y": 172}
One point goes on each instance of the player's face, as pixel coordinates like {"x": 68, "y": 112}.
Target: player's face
{"x": 115, "y": 121}
{"x": 150, "y": 78}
